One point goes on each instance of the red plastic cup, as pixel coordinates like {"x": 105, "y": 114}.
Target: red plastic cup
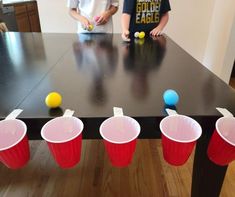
{"x": 179, "y": 135}
{"x": 14, "y": 145}
{"x": 64, "y": 138}
{"x": 221, "y": 149}
{"x": 120, "y": 136}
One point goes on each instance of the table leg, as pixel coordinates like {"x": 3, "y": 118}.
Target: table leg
{"x": 207, "y": 179}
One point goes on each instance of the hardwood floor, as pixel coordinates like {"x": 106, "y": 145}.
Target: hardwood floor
{"x": 148, "y": 175}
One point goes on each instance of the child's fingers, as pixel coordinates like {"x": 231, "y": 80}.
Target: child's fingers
{"x": 152, "y": 33}
{"x": 101, "y": 21}
{"x": 125, "y": 38}
{"x": 159, "y": 33}
{"x": 126, "y": 34}
{"x": 155, "y": 33}
{"x": 86, "y": 25}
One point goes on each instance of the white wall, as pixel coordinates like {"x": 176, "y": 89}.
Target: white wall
{"x": 54, "y": 17}
{"x": 220, "y": 49}
{"x": 229, "y": 57}
{"x": 189, "y": 25}
{"x": 198, "y": 26}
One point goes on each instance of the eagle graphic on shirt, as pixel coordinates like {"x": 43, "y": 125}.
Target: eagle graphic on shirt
{"x": 148, "y": 11}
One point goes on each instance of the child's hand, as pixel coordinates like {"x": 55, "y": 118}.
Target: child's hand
{"x": 157, "y": 31}
{"x": 85, "y": 22}
{"x": 125, "y": 36}
{"x": 103, "y": 18}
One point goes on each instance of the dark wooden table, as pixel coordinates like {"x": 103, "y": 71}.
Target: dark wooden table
{"x": 94, "y": 73}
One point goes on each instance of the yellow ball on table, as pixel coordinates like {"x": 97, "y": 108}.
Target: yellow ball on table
{"x": 141, "y": 35}
{"x": 53, "y": 100}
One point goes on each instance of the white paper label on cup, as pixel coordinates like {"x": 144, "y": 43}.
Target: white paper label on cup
{"x": 117, "y": 111}
{"x": 68, "y": 113}
{"x": 13, "y": 115}
{"x": 171, "y": 112}
{"x": 224, "y": 112}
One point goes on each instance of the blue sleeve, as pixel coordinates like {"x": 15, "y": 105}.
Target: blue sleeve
{"x": 165, "y": 7}
{"x": 128, "y": 6}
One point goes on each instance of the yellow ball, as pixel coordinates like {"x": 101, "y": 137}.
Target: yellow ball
{"x": 141, "y": 35}
{"x": 90, "y": 27}
{"x": 53, "y": 100}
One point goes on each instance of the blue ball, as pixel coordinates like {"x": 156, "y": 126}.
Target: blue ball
{"x": 170, "y": 97}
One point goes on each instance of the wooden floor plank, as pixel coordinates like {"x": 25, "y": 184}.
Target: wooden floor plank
{"x": 148, "y": 175}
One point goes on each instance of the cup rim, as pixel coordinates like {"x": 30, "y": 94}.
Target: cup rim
{"x": 61, "y": 141}
{"x": 218, "y": 130}
{"x": 19, "y": 140}
{"x": 181, "y": 141}
{"x": 122, "y": 142}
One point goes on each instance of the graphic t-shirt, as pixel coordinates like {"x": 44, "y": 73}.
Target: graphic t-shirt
{"x": 145, "y": 14}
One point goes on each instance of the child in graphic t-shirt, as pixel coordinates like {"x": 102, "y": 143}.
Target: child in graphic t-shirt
{"x": 93, "y": 16}
{"x": 150, "y": 16}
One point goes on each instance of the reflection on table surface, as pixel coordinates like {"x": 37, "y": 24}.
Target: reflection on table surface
{"x": 96, "y": 56}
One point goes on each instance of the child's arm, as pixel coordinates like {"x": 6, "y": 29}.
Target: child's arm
{"x": 125, "y": 26}
{"x": 158, "y": 30}
{"x": 77, "y": 16}
{"x": 104, "y": 17}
